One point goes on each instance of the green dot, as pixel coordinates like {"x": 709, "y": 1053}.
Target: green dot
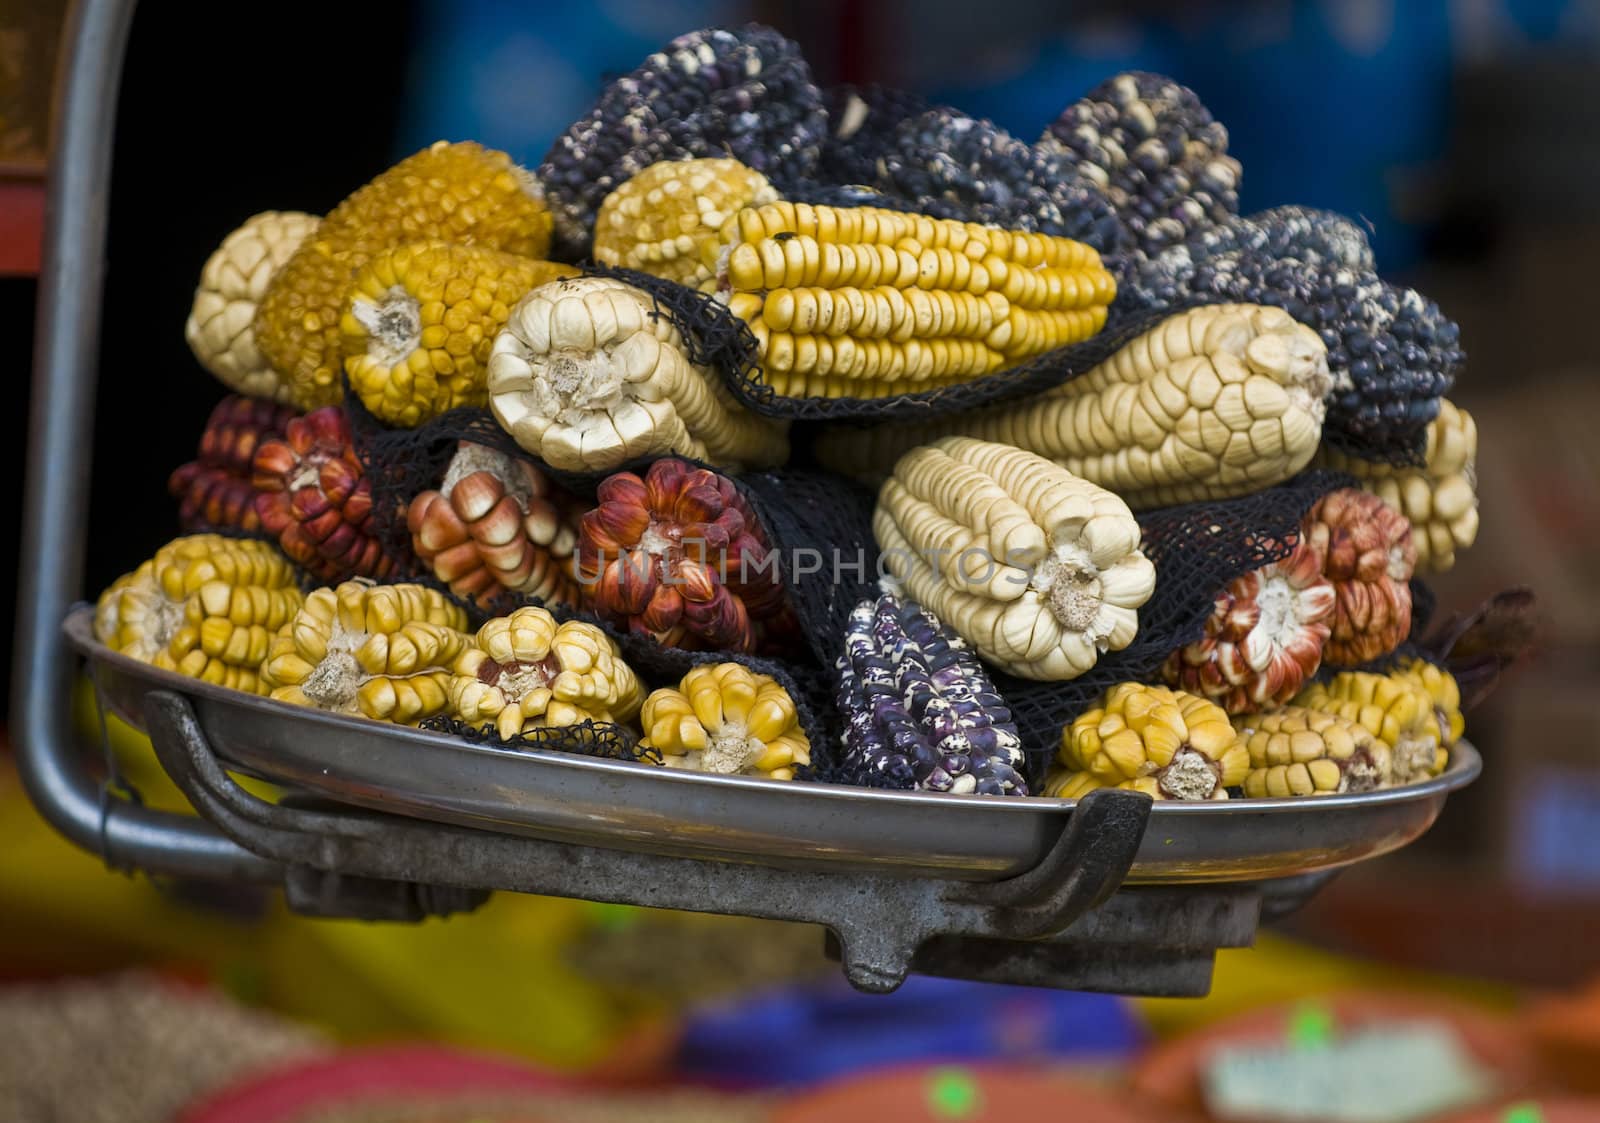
{"x": 1311, "y": 1026}
{"x": 613, "y": 918}
{"x": 953, "y": 1093}
{"x": 1523, "y": 1113}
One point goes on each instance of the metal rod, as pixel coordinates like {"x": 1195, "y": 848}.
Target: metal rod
{"x": 56, "y": 775}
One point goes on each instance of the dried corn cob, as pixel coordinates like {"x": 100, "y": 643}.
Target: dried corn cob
{"x": 1439, "y": 499}
{"x": 1367, "y": 554}
{"x": 524, "y": 671}
{"x": 221, "y": 328}
{"x": 863, "y": 302}
{"x": 660, "y": 221}
{"x": 919, "y": 709}
{"x": 454, "y": 193}
{"x": 377, "y": 651}
{"x": 1442, "y": 687}
{"x": 1165, "y": 743}
{"x": 1395, "y": 709}
{"x": 680, "y": 556}
{"x": 496, "y": 523}
{"x": 204, "y": 606}
{"x": 1040, "y": 571}
{"x": 1296, "y": 751}
{"x": 314, "y": 495}
{"x": 724, "y": 718}
{"x": 587, "y": 376}
{"x": 1211, "y": 403}
{"x": 214, "y": 490}
{"x": 420, "y": 321}
{"x": 1264, "y": 637}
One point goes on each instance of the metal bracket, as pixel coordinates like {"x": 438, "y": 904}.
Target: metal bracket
{"x": 1062, "y": 924}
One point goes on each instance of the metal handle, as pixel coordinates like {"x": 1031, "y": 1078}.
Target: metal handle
{"x": 56, "y": 775}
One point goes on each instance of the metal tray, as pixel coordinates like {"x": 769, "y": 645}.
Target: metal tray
{"x": 623, "y": 805}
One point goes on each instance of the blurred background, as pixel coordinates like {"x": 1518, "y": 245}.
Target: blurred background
{"x": 1465, "y": 134}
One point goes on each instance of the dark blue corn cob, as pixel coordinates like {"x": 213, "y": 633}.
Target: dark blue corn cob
{"x": 1392, "y": 352}
{"x": 746, "y": 94}
{"x": 920, "y": 712}
{"x": 861, "y": 124}
{"x": 1155, "y": 152}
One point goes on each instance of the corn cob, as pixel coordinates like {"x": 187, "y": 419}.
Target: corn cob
{"x": 214, "y": 490}
{"x": 221, "y": 328}
{"x": 1040, "y": 571}
{"x": 1165, "y": 743}
{"x": 588, "y": 376}
{"x": 724, "y": 718}
{"x": 447, "y": 192}
{"x": 661, "y": 221}
{"x": 496, "y": 523}
{"x": 1296, "y": 751}
{"x": 420, "y": 320}
{"x": 1442, "y": 687}
{"x": 919, "y": 710}
{"x": 524, "y": 671}
{"x": 1264, "y": 636}
{"x": 863, "y": 302}
{"x": 1439, "y": 499}
{"x": 204, "y": 606}
{"x": 314, "y": 496}
{"x": 1396, "y": 709}
{"x": 1368, "y": 556}
{"x": 377, "y": 651}
{"x": 1211, "y": 403}
{"x": 680, "y": 556}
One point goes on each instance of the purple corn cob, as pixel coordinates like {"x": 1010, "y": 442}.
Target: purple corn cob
{"x": 920, "y": 711}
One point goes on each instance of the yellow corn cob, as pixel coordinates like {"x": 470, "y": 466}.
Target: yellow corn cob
{"x": 448, "y": 192}
{"x": 860, "y": 301}
{"x": 1297, "y": 751}
{"x": 588, "y": 376}
{"x": 204, "y": 606}
{"x": 221, "y": 326}
{"x": 377, "y": 651}
{"x": 1395, "y": 709}
{"x": 524, "y": 671}
{"x": 1442, "y": 688}
{"x": 661, "y": 220}
{"x": 421, "y": 319}
{"x": 1165, "y": 743}
{"x": 725, "y": 718}
{"x": 1040, "y": 571}
{"x": 1440, "y": 498}
{"x": 1212, "y": 402}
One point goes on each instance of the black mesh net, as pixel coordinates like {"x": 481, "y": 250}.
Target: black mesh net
{"x": 589, "y": 738}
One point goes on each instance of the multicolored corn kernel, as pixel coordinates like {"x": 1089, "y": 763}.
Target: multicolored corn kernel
{"x": 420, "y": 320}
{"x": 862, "y": 301}
{"x": 1396, "y": 709}
{"x": 455, "y": 193}
{"x": 1264, "y": 637}
{"x": 679, "y": 555}
{"x": 919, "y": 710}
{"x": 214, "y": 491}
{"x": 745, "y": 93}
{"x": 496, "y": 523}
{"x": 1039, "y": 570}
{"x": 588, "y": 376}
{"x": 1155, "y": 154}
{"x": 378, "y": 651}
{"x": 204, "y": 606}
{"x": 221, "y": 328}
{"x": 661, "y": 221}
{"x": 1210, "y": 403}
{"x": 724, "y": 718}
{"x": 1296, "y": 751}
{"x": 314, "y": 496}
{"x": 1165, "y": 743}
{"x": 1440, "y": 498}
{"x": 1368, "y": 555}
{"x": 525, "y": 671}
